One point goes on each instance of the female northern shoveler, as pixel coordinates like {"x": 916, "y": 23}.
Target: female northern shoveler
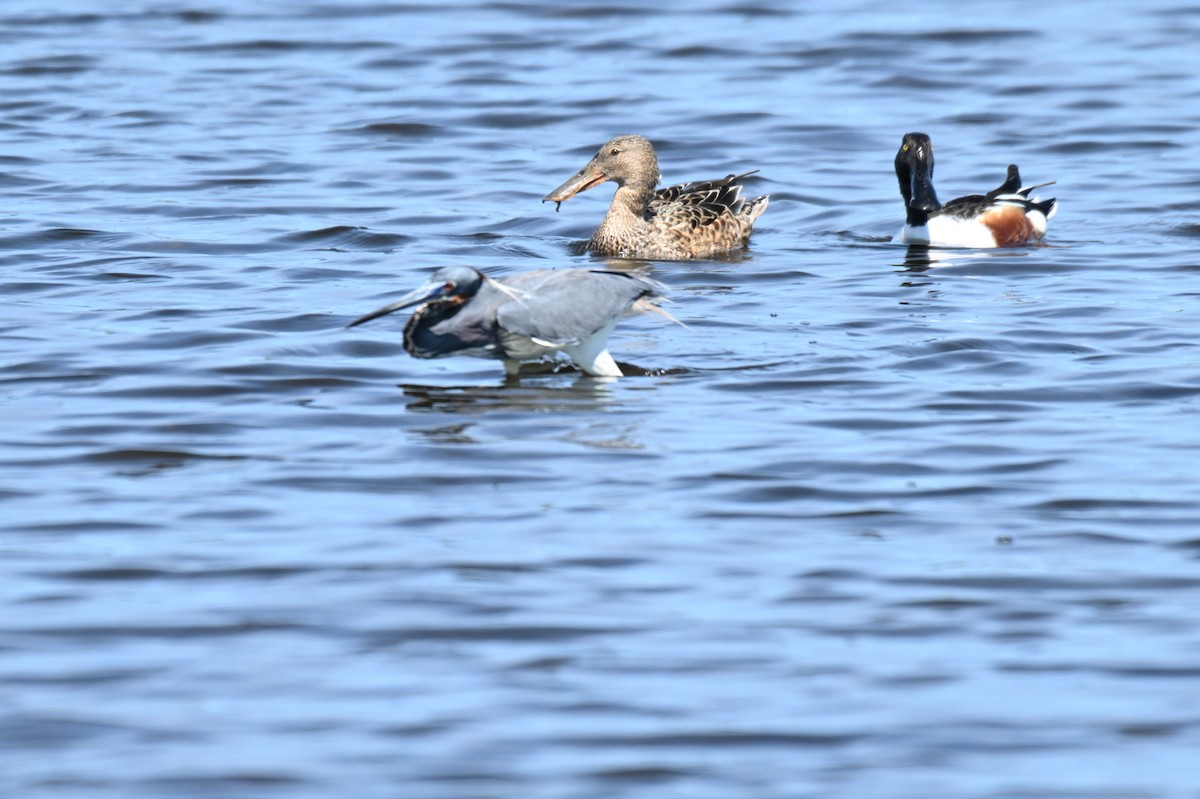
{"x": 691, "y": 220}
{"x": 1004, "y": 217}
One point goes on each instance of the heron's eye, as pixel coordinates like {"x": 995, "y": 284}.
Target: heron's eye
{"x": 448, "y": 287}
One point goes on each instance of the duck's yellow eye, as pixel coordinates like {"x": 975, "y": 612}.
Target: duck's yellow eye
{"x": 904, "y": 148}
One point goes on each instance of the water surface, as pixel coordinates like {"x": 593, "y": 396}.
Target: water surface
{"x": 874, "y": 523}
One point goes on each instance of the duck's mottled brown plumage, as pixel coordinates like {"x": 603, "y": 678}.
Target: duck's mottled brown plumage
{"x": 690, "y": 220}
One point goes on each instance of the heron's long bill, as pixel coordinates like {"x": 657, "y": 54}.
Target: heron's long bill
{"x": 588, "y": 178}
{"x": 431, "y": 290}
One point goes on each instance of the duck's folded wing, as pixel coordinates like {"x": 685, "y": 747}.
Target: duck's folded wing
{"x": 699, "y": 203}
{"x": 697, "y": 209}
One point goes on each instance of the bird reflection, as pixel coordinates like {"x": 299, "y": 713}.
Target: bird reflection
{"x": 918, "y": 258}
{"x": 580, "y": 395}
{"x": 577, "y": 412}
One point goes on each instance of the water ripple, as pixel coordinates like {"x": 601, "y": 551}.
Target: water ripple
{"x": 873, "y": 514}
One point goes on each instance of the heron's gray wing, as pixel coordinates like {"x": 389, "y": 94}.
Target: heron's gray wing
{"x": 568, "y": 306}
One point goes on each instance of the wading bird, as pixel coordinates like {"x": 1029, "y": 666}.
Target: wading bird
{"x": 523, "y": 317}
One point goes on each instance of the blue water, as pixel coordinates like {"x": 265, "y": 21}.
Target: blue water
{"x": 875, "y": 523}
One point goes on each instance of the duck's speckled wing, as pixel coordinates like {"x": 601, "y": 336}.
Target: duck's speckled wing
{"x": 700, "y": 203}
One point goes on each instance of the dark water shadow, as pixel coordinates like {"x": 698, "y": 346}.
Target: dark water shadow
{"x": 581, "y": 394}
{"x": 921, "y": 258}
{"x": 548, "y": 387}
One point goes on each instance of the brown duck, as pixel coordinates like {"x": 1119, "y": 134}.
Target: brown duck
{"x": 691, "y": 220}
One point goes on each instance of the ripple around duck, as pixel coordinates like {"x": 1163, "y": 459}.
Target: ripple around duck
{"x": 399, "y": 130}
{"x": 350, "y": 238}
{"x": 157, "y": 458}
{"x": 279, "y": 46}
{"x": 90, "y": 526}
{"x": 290, "y": 324}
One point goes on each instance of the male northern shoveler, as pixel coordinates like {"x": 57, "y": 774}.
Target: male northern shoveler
{"x": 691, "y": 220}
{"x": 1004, "y": 217}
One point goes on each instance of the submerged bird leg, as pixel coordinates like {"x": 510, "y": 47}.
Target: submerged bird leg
{"x": 595, "y": 363}
{"x": 592, "y": 356}
{"x": 603, "y": 365}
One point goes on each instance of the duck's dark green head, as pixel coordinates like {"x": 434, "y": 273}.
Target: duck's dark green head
{"x": 914, "y": 171}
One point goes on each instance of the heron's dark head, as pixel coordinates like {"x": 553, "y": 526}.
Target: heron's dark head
{"x": 451, "y": 285}
{"x": 914, "y": 172}
{"x": 625, "y": 160}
